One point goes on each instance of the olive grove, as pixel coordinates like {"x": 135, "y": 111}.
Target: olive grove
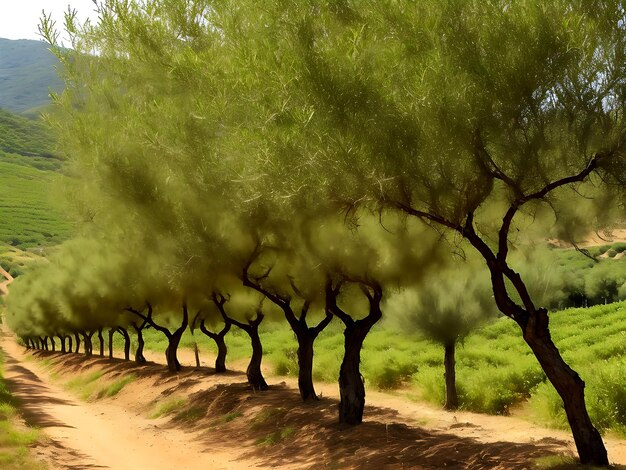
{"x": 312, "y": 157}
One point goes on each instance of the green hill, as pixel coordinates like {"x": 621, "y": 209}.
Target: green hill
{"x": 27, "y": 171}
{"x": 26, "y": 74}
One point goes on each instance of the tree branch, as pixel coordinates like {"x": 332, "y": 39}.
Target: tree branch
{"x": 522, "y": 199}
{"x": 148, "y": 318}
{"x": 219, "y": 303}
{"x": 332, "y": 292}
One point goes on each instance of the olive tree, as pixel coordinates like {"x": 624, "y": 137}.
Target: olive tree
{"x": 445, "y": 308}
{"x": 469, "y": 116}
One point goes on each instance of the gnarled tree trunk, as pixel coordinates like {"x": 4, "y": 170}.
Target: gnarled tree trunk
{"x": 139, "y": 357}
{"x": 173, "y": 338}
{"x": 77, "y": 338}
{"x": 351, "y": 386}
{"x": 87, "y": 344}
{"x": 568, "y": 385}
{"x": 305, "y": 336}
{"x": 305, "y": 365}
{"x": 126, "y": 337}
{"x": 62, "y": 341}
{"x": 253, "y": 372}
{"x": 222, "y": 350}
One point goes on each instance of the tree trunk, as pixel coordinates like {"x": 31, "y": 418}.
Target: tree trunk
{"x": 111, "y": 333}
{"x": 124, "y": 333}
{"x": 44, "y": 341}
{"x": 254, "y": 374}
{"x": 351, "y": 386}
{"x": 170, "y": 353}
{"x": 452, "y": 400}
{"x": 52, "y": 345}
{"x": 569, "y": 386}
{"x": 101, "y": 339}
{"x": 69, "y": 343}
{"x": 222, "y": 350}
{"x": 62, "y": 341}
{"x": 139, "y": 357}
{"x": 87, "y": 344}
{"x": 196, "y": 354}
{"x": 77, "y": 338}
{"x": 305, "y": 365}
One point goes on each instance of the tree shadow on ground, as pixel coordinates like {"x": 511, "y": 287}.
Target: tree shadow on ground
{"x": 31, "y": 395}
{"x": 275, "y": 428}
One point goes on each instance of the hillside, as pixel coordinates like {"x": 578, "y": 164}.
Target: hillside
{"x": 28, "y": 169}
{"x": 26, "y": 74}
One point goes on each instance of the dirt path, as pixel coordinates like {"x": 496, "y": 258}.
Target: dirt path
{"x": 101, "y": 435}
{"x": 481, "y": 427}
{"x": 397, "y": 433}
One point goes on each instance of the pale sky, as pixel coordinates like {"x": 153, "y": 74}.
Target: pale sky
{"x": 19, "y": 18}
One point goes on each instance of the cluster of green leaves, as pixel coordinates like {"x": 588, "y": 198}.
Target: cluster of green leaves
{"x": 584, "y": 281}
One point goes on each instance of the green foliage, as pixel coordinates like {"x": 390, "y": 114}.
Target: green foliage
{"x": 85, "y": 385}
{"x": 26, "y": 137}
{"x": 167, "y": 407}
{"x": 28, "y": 219}
{"x": 445, "y": 307}
{"x": 28, "y": 169}
{"x": 299, "y": 144}
{"x": 276, "y": 436}
{"x": 116, "y": 386}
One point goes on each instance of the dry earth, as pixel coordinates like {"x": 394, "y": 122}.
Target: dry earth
{"x": 223, "y": 425}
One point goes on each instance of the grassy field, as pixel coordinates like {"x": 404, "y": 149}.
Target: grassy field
{"x": 27, "y": 218}
{"x": 14, "y": 436}
{"x": 28, "y": 169}
{"x": 496, "y": 373}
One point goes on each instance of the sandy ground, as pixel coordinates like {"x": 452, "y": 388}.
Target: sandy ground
{"x": 101, "y": 435}
{"x": 397, "y": 433}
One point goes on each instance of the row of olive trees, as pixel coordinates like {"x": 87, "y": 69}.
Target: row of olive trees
{"x": 79, "y": 294}
{"x": 226, "y": 126}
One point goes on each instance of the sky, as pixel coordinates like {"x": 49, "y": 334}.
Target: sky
{"x": 19, "y": 18}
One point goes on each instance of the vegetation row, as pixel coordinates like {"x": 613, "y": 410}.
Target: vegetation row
{"x": 232, "y": 163}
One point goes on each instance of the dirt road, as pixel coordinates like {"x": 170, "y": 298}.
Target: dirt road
{"x": 101, "y": 435}
{"x": 115, "y": 433}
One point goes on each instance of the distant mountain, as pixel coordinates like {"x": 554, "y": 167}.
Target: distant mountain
{"x": 26, "y": 74}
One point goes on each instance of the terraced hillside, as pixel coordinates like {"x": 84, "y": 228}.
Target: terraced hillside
{"x": 28, "y": 168}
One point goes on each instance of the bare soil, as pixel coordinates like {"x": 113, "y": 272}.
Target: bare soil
{"x": 220, "y": 424}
